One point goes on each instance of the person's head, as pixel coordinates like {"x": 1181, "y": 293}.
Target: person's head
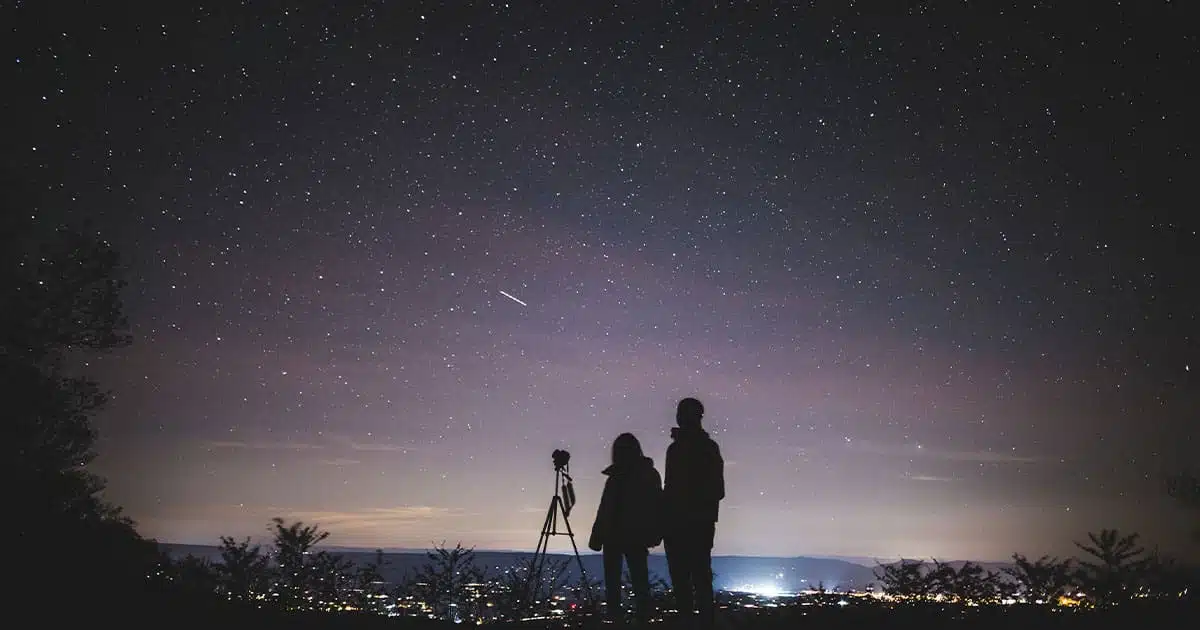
{"x": 689, "y": 413}
{"x": 626, "y": 449}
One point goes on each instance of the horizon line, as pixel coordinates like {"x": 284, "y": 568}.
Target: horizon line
{"x": 653, "y": 552}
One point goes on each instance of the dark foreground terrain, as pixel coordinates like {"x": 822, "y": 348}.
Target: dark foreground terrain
{"x": 175, "y": 610}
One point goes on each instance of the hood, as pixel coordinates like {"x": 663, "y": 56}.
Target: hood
{"x": 643, "y": 463}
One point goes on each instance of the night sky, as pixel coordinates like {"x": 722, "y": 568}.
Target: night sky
{"x": 930, "y": 266}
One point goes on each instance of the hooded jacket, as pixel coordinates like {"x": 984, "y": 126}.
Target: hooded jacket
{"x": 695, "y": 478}
{"x": 629, "y": 507}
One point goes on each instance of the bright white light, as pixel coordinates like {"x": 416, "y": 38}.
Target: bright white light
{"x": 762, "y": 590}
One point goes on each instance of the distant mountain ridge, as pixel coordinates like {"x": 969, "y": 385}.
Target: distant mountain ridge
{"x": 732, "y": 572}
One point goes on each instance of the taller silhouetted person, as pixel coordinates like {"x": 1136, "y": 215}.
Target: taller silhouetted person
{"x": 628, "y": 524}
{"x": 694, "y": 487}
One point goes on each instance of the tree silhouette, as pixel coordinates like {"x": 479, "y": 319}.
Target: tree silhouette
{"x": 969, "y": 583}
{"x": 1041, "y": 581}
{"x": 244, "y": 571}
{"x": 906, "y": 579}
{"x": 1118, "y": 560}
{"x": 368, "y": 593}
{"x": 193, "y": 575}
{"x": 306, "y": 580}
{"x": 294, "y": 576}
{"x": 60, "y": 297}
{"x": 58, "y": 301}
{"x": 442, "y": 582}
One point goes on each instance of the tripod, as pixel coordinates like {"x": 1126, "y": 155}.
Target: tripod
{"x": 563, "y": 500}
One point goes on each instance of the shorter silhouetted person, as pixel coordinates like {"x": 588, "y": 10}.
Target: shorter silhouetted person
{"x": 627, "y": 525}
{"x": 694, "y": 487}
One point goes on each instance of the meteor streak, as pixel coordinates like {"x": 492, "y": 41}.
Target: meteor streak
{"x": 505, "y": 294}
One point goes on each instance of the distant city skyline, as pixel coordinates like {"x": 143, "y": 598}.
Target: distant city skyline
{"x": 927, "y": 267}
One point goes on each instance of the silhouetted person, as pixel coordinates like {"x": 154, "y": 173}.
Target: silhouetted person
{"x": 694, "y": 487}
{"x": 626, "y": 525}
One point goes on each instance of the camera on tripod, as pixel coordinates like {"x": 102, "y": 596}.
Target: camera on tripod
{"x": 566, "y": 496}
{"x": 561, "y": 459}
{"x": 560, "y": 504}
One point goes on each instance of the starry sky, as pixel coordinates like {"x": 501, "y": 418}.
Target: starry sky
{"x": 928, "y": 264}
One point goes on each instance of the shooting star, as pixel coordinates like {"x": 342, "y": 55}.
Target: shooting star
{"x": 507, "y": 295}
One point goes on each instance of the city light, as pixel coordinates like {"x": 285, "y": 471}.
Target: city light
{"x": 762, "y": 590}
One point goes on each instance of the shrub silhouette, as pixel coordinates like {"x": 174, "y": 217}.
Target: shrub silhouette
{"x": 1112, "y": 575}
{"x": 515, "y": 601}
{"x": 292, "y": 576}
{"x": 244, "y": 571}
{"x": 907, "y": 579}
{"x": 969, "y": 583}
{"x": 193, "y": 576}
{"x": 1041, "y": 581}
{"x": 368, "y": 593}
{"x": 301, "y": 578}
{"x": 307, "y": 580}
{"x": 520, "y": 598}
{"x": 442, "y": 583}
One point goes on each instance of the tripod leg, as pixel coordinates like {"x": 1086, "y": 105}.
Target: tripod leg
{"x": 587, "y": 587}
{"x": 534, "y": 580}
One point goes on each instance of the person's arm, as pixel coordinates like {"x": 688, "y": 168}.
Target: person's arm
{"x": 718, "y": 473}
{"x": 669, "y": 480}
{"x": 654, "y": 510}
{"x": 602, "y": 526}
{"x": 668, "y": 510}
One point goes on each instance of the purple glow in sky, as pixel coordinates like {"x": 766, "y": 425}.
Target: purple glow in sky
{"x": 926, "y": 269}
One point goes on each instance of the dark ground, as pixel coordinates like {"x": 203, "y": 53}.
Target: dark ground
{"x": 176, "y": 610}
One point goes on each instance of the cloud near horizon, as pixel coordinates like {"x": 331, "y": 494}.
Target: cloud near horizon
{"x": 921, "y": 451}
{"x": 381, "y": 447}
{"x": 373, "y": 520}
{"x": 415, "y": 526}
{"x": 341, "y": 461}
{"x": 419, "y": 526}
{"x": 373, "y": 446}
{"x": 930, "y": 478}
{"x": 260, "y": 446}
{"x": 346, "y": 442}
